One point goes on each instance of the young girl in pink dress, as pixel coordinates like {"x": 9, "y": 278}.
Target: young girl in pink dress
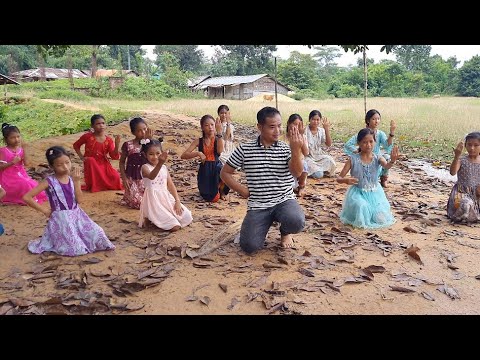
{"x": 69, "y": 230}
{"x": 161, "y": 204}
{"x": 13, "y": 176}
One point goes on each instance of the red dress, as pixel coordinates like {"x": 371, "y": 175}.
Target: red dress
{"x": 99, "y": 173}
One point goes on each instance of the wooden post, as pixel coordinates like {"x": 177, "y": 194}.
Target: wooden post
{"x": 365, "y": 77}
{"x": 275, "y": 72}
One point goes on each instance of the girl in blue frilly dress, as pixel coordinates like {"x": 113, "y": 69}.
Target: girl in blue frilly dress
{"x": 365, "y": 204}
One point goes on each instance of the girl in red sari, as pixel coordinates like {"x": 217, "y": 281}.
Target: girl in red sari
{"x": 99, "y": 173}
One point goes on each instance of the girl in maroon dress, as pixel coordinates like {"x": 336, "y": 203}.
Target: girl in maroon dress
{"x": 99, "y": 172}
{"x": 131, "y": 155}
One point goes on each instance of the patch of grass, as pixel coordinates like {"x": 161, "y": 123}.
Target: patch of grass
{"x": 37, "y": 119}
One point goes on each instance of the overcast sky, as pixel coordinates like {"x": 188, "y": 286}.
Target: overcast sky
{"x": 462, "y": 52}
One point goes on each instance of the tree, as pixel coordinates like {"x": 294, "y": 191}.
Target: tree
{"x": 413, "y": 57}
{"x": 251, "y": 59}
{"x": 326, "y": 55}
{"x": 190, "y": 57}
{"x": 17, "y": 57}
{"x": 52, "y": 50}
{"x": 124, "y": 51}
{"x": 298, "y": 71}
{"x": 469, "y": 77}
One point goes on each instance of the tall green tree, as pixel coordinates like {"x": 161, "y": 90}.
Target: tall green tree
{"x": 190, "y": 57}
{"x": 299, "y": 71}
{"x": 326, "y": 55}
{"x": 413, "y": 57}
{"x": 469, "y": 77}
{"x": 17, "y": 57}
{"x": 123, "y": 51}
{"x": 250, "y": 59}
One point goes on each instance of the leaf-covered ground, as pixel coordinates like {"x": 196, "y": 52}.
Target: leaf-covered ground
{"x": 420, "y": 265}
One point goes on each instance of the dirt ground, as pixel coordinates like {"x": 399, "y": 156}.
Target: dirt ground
{"x": 333, "y": 269}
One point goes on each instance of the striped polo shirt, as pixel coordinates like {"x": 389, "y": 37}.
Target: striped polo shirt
{"x": 268, "y": 176}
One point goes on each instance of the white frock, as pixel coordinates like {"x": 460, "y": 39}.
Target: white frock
{"x": 158, "y": 204}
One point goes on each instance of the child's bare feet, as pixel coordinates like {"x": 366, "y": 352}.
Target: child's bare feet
{"x": 175, "y": 228}
{"x": 287, "y": 241}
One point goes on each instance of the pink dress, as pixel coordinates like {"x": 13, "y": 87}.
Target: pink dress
{"x": 15, "y": 180}
{"x": 157, "y": 203}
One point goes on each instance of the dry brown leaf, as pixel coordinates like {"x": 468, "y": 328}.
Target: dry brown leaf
{"x": 410, "y": 229}
{"x": 205, "y": 300}
{"x": 234, "y": 302}
{"x": 367, "y": 274}
{"x": 92, "y": 260}
{"x": 450, "y": 291}
{"x": 412, "y": 252}
{"x": 223, "y": 287}
{"x": 375, "y": 268}
{"x": 191, "y": 298}
{"x": 427, "y": 296}
{"x": 401, "y": 289}
{"x": 306, "y": 272}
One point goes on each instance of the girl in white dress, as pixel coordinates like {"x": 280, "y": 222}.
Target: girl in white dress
{"x": 227, "y": 132}
{"x": 296, "y": 120}
{"x": 161, "y": 204}
{"x": 318, "y": 135}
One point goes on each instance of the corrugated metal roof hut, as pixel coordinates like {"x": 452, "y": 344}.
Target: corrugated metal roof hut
{"x": 50, "y": 74}
{"x": 240, "y": 87}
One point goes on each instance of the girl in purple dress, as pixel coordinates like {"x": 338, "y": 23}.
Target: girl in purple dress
{"x": 69, "y": 231}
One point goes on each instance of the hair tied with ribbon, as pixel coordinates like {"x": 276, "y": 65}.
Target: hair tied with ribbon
{"x": 50, "y": 152}
{"x": 5, "y": 126}
{"x": 144, "y": 141}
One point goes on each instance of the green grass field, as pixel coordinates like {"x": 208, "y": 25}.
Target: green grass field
{"x": 426, "y": 127}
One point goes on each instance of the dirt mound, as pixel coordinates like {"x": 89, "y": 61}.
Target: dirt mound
{"x": 270, "y": 97}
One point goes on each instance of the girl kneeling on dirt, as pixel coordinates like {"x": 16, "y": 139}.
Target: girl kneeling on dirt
{"x": 210, "y": 146}
{"x": 365, "y": 205}
{"x": 69, "y": 230}
{"x": 99, "y": 172}
{"x": 161, "y": 204}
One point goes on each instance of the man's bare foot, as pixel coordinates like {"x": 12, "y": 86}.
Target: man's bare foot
{"x": 287, "y": 241}
{"x": 175, "y": 228}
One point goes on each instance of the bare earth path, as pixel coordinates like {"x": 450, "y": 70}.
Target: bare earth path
{"x": 333, "y": 269}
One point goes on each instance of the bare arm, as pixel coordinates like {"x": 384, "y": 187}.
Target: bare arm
{"x": 393, "y": 126}
{"x": 296, "y": 162}
{"x": 190, "y": 154}
{"x": 393, "y": 158}
{"x": 153, "y": 174}
{"x": 172, "y": 189}
{"x": 26, "y": 155}
{"x": 4, "y": 164}
{"x": 326, "y": 127}
{"x": 226, "y": 174}
{"x": 220, "y": 145}
{"x": 346, "y": 180}
{"x": 77, "y": 145}
{"x": 455, "y": 166}
{"x": 77, "y": 176}
{"x": 114, "y": 153}
{"x": 305, "y": 150}
{"x": 28, "y": 198}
